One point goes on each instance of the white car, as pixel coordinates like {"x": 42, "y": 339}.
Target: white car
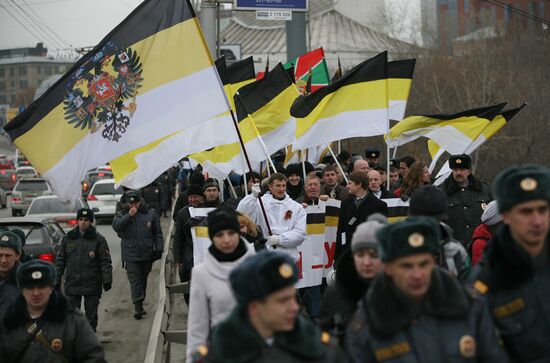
{"x": 26, "y": 172}
{"x": 50, "y": 206}
{"x": 103, "y": 198}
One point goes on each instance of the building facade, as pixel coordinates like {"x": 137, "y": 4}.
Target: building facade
{"x": 22, "y": 70}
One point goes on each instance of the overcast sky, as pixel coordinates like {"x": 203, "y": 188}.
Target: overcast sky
{"x": 76, "y": 23}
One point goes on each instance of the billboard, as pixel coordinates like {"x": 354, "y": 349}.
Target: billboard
{"x": 294, "y": 5}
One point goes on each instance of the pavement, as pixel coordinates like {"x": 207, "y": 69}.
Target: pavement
{"x": 124, "y": 338}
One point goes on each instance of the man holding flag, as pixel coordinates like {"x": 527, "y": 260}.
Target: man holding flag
{"x": 286, "y": 219}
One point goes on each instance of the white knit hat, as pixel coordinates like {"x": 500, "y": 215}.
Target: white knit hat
{"x": 490, "y": 214}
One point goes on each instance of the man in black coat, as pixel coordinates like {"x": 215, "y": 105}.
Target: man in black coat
{"x": 376, "y": 187}
{"x": 141, "y": 245}
{"x": 10, "y": 251}
{"x": 41, "y": 326}
{"x": 467, "y": 196}
{"x": 356, "y": 209}
{"x": 84, "y": 259}
{"x": 515, "y": 273}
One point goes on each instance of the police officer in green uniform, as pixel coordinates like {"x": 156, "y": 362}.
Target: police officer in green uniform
{"x": 467, "y": 196}
{"x": 41, "y": 326}
{"x": 515, "y": 273}
{"x": 416, "y": 312}
{"x": 266, "y": 325}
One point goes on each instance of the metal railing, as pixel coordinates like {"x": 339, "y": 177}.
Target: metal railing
{"x": 161, "y": 337}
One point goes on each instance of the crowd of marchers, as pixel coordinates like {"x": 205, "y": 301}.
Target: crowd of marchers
{"x": 463, "y": 277}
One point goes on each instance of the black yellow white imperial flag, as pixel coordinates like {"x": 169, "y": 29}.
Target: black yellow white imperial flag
{"x": 149, "y": 77}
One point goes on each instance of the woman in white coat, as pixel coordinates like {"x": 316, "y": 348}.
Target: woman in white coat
{"x": 211, "y": 298}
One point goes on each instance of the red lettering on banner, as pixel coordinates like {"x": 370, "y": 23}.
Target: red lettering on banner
{"x": 315, "y": 267}
{"x": 330, "y": 249}
{"x": 299, "y": 265}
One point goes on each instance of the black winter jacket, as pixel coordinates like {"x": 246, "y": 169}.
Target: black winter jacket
{"x": 351, "y": 217}
{"x": 79, "y": 343}
{"x": 85, "y": 262}
{"x": 141, "y": 235}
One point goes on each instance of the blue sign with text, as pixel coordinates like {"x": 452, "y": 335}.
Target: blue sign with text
{"x": 294, "y": 5}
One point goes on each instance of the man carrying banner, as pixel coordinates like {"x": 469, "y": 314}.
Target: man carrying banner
{"x": 183, "y": 257}
{"x": 356, "y": 209}
{"x": 467, "y": 196}
{"x": 287, "y": 219}
{"x": 332, "y": 188}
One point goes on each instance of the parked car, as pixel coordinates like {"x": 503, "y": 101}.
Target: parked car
{"x": 24, "y": 193}
{"x": 93, "y": 176}
{"x": 51, "y": 206}
{"x": 103, "y": 197}
{"x": 8, "y": 178}
{"x": 43, "y": 235}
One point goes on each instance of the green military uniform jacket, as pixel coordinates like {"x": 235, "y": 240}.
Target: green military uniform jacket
{"x": 235, "y": 341}
{"x": 518, "y": 293}
{"x": 451, "y": 325}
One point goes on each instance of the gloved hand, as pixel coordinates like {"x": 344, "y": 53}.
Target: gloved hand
{"x": 256, "y": 190}
{"x": 157, "y": 255}
{"x": 107, "y": 286}
{"x": 273, "y": 240}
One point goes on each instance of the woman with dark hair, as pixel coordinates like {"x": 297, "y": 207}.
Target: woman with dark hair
{"x": 417, "y": 176}
{"x": 211, "y": 299}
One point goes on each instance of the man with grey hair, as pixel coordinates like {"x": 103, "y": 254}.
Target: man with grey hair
{"x": 361, "y": 165}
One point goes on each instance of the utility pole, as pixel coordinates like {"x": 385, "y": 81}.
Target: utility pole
{"x": 208, "y": 20}
{"x": 296, "y": 35}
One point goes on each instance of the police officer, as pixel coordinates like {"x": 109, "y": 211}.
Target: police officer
{"x": 415, "y": 312}
{"x": 84, "y": 259}
{"x": 10, "y": 251}
{"x": 372, "y": 155}
{"x": 515, "y": 273}
{"x": 266, "y": 325}
{"x": 466, "y": 198}
{"x": 142, "y": 244}
{"x": 41, "y": 326}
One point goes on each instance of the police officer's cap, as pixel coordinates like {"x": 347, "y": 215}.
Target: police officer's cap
{"x": 414, "y": 235}
{"x": 133, "y": 196}
{"x": 372, "y": 153}
{"x": 11, "y": 240}
{"x": 261, "y": 275}
{"x": 36, "y": 273}
{"x": 85, "y": 213}
{"x": 394, "y": 163}
{"x": 462, "y": 161}
{"x": 519, "y": 184}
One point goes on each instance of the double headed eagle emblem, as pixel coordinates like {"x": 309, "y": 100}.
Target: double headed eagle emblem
{"x": 101, "y": 94}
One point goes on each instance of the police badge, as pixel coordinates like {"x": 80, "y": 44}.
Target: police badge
{"x": 101, "y": 94}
